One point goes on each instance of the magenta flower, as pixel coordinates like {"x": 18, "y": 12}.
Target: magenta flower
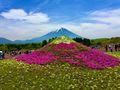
{"x": 74, "y": 54}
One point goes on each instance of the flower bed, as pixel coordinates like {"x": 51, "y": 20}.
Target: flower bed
{"x": 37, "y": 57}
{"x": 74, "y": 54}
{"x": 97, "y": 60}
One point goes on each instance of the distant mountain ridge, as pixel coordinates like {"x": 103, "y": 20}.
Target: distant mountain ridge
{"x": 5, "y": 41}
{"x": 57, "y": 33}
{"x": 52, "y": 34}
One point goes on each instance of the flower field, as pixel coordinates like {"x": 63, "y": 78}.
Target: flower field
{"x": 62, "y": 66}
{"x": 72, "y": 53}
{"x": 62, "y": 76}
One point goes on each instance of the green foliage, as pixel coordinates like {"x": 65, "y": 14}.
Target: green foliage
{"x": 84, "y": 41}
{"x": 105, "y": 41}
{"x": 10, "y": 47}
{"x": 61, "y": 76}
{"x": 3, "y": 47}
{"x": 32, "y": 46}
{"x": 80, "y": 40}
{"x": 50, "y": 40}
{"x": 63, "y": 39}
{"x": 44, "y": 42}
{"x": 116, "y": 54}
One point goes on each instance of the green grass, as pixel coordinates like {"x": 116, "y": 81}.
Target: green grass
{"x": 116, "y": 54}
{"x": 62, "y": 39}
{"x": 105, "y": 41}
{"x": 20, "y": 76}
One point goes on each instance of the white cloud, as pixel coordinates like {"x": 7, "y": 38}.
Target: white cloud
{"x": 20, "y": 14}
{"x": 107, "y": 24}
{"x": 107, "y": 16}
{"x": 106, "y": 13}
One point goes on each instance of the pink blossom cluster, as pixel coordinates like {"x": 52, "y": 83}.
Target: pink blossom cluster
{"x": 37, "y": 57}
{"x": 65, "y": 46}
{"x": 74, "y": 54}
{"x": 97, "y": 60}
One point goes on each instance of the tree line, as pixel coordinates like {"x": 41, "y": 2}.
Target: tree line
{"x": 35, "y": 46}
{"x": 30, "y": 46}
{"x": 105, "y": 41}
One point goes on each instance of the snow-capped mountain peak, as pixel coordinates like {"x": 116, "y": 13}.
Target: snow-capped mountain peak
{"x": 58, "y": 30}
{"x": 57, "y": 33}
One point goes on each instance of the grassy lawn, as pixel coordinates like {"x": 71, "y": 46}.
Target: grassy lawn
{"x": 116, "y": 54}
{"x": 62, "y": 76}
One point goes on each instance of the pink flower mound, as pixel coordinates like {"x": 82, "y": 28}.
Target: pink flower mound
{"x": 37, "y": 57}
{"x": 97, "y": 60}
{"x": 65, "y": 46}
{"x": 74, "y": 54}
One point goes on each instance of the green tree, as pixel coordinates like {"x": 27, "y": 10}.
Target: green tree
{"x": 44, "y": 42}
{"x": 86, "y": 42}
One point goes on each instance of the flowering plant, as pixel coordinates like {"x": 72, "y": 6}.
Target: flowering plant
{"x": 73, "y": 53}
{"x": 37, "y": 57}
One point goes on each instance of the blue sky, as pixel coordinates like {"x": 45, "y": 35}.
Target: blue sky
{"x": 26, "y": 19}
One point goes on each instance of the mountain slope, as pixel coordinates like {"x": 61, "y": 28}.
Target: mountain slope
{"x": 57, "y": 33}
{"x": 5, "y": 41}
{"x": 53, "y": 34}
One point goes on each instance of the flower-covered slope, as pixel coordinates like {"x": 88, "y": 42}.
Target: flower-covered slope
{"x": 73, "y": 53}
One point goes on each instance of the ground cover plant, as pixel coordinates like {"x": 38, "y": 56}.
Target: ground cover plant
{"x": 72, "y": 52}
{"x": 62, "y": 66}
{"x": 116, "y": 54}
{"x": 61, "y": 76}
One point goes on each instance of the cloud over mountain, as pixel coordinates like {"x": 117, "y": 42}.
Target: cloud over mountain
{"x": 20, "y": 14}
{"x": 107, "y": 16}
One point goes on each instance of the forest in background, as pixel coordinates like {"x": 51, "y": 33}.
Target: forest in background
{"x": 35, "y": 46}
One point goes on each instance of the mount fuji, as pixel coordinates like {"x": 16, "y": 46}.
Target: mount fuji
{"x": 52, "y": 34}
